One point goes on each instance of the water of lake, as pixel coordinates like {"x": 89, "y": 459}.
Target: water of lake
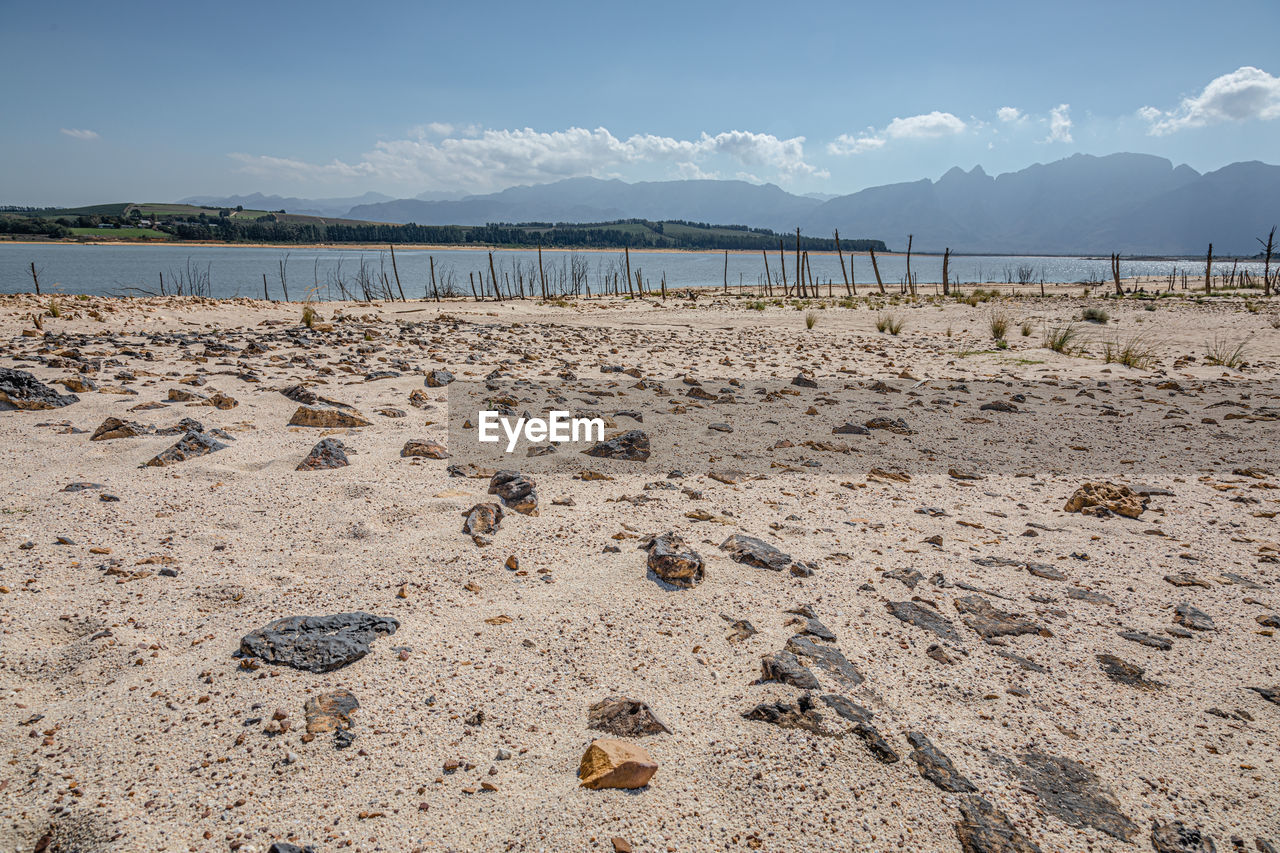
{"x": 238, "y": 270}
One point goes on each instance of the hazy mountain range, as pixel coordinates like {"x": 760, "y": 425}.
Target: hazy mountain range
{"x": 1130, "y": 203}
{"x": 334, "y": 207}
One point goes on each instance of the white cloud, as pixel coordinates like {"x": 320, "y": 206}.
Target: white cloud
{"x": 77, "y": 133}
{"x": 1246, "y": 93}
{"x": 1008, "y": 115}
{"x": 479, "y": 160}
{"x": 926, "y": 126}
{"x": 1059, "y": 124}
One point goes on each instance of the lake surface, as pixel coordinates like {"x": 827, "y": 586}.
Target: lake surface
{"x": 323, "y": 273}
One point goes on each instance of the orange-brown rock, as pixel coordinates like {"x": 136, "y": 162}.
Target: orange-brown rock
{"x": 611, "y": 763}
{"x": 320, "y": 416}
{"x": 1100, "y": 498}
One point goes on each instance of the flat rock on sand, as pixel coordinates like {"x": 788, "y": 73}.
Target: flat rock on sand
{"x": 21, "y": 390}
{"x": 190, "y": 446}
{"x": 983, "y": 828}
{"x": 1073, "y": 793}
{"x": 327, "y": 418}
{"x": 675, "y": 562}
{"x": 924, "y": 617}
{"x": 990, "y": 622}
{"x": 755, "y": 552}
{"x": 317, "y": 643}
{"x": 625, "y": 717}
{"x": 611, "y": 763}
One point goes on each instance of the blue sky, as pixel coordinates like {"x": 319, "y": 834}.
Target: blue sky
{"x": 147, "y": 102}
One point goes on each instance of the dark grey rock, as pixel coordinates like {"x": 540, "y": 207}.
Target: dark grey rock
{"x": 438, "y": 379}
{"x": 983, "y": 828}
{"x": 1123, "y": 672}
{"x": 190, "y": 446}
{"x": 755, "y": 552}
{"x": 990, "y": 622}
{"x": 827, "y": 659}
{"x": 327, "y": 454}
{"x": 1175, "y": 837}
{"x": 317, "y": 643}
{"x": 21, "y": 390}
{"x": 675, "y": 562}
{"x": 936, "y": 767}
{"x": 876, "y": 744}
{"x": 516, "y": 490}
{"x": 1148, "y": 640}
{"x": 625, "y": 717}
{"x": 1073, "y": 793}
{"x": 632, "y": 446}
{"x": 785, "y": 667}
{"x": 1190, "y": 617}
{"x": 924, "y": 617}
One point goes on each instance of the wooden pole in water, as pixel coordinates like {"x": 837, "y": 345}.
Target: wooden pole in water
{"x": 800, "y": 291}
{"x": 946, "y": 257}
{"x": 1208, "y": 270}
{"x": 265, "y": 297}
{"x": 843, "y": 273}
{"x": 768, "y": 279}
{"x": 542, "y": 276}
{"x": 627, "y": 251}
{"x": 396, "y": 270}
{"x": 782, "y": 264}
{"x": 876, "y": 267}
{"x": 493, "y": 275}
{"x": 726, "y": 270}
{"x": 471, "y": 277}
{"x": 910, "y": 237}
{"x": 434, "y": 291}
{"x": 35, "y": 277}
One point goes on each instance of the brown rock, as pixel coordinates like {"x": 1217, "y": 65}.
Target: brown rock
{"x": 674, "y": 561}
{"x": 1101, "y": 498}
{"x": 113, "y": 428}
{"x": 424, "y": 449}
{"x": 329, "y": 711}
{"x": 318, "y": 416}
{"x": 611, "y": 763}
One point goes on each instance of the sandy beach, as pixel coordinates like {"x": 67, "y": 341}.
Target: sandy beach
{"x": 938, "y": 633}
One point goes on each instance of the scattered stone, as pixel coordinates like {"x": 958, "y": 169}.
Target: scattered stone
{"x": 755, "y": 552}
{"x": 876, "y": 744}
{"x": 482, "y": 519}
{"x": 330, "y": 711}
{"x": 675, "y": 562}
{"x": 327, "y": 418}
{"x": 1149, "y": 640}
{"x": 422, "y": 448}
{"x": 924, "y": 617}
{"x": 990, "y": 622}
{"x": 1073, "y": 793}
{"x": 983, "y": 828}
{"x": 317, "y": 643}
{"x": 908, "y": 577}
{"x": 898, "y": 426}
{"x": 21, "y": 390}
{"x": 804, "y": 379}
{"x": 998, "y": 406}
{"x": 827, "y": 659}
{"x": 1088, "y": 595}
{"x": 619, "y": 715}
{"x": 438, "y": 378}
{"x": 1186, "y": 579}
{"x": 1175, "y": 837}
{"x": 1271, "y": 694}
{"x": 632, "y": 446}
{"x": 850, "y": 429}
{"x": 516, "y": 491}
{"x": 801, "y": 715}
{"x": 785, "y": 667}
{"x": 329, "y": 453}
{"x": 742, "y": 629}
{"x": 1122, "y": 672}
{"x": 113, "y": 428}
{"x": 1102, "y": 498}
{"x": 190, "y": 446}
{"x": 611, "y": 763}
{"x": 1189, "y": 617}
{"x": 936, "y": 767}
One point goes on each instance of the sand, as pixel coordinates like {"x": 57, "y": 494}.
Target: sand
{"x": 152, "y": 736}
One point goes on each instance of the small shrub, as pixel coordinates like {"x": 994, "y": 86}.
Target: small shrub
{"x": 1225, "y": 352}
{"x": 756, "y": 305}
{"x": 1136, "y": 352}
{"x": 1025, "y": 328}
{"x": 1002, "y": 344}
{"x": 890, "y": 322}
{"x": 309, "y": 316}
{"x": 55, "y": 310}
{"x": 1062, "y": 339}
{"x": 1093, "y": 314}
{"x": 999, "y": 325}
{"x": 810, "y": 319}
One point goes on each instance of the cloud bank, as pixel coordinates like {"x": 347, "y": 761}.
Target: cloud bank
{"x": 926, "y": 126}
{"x": 1244, "y": 94}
